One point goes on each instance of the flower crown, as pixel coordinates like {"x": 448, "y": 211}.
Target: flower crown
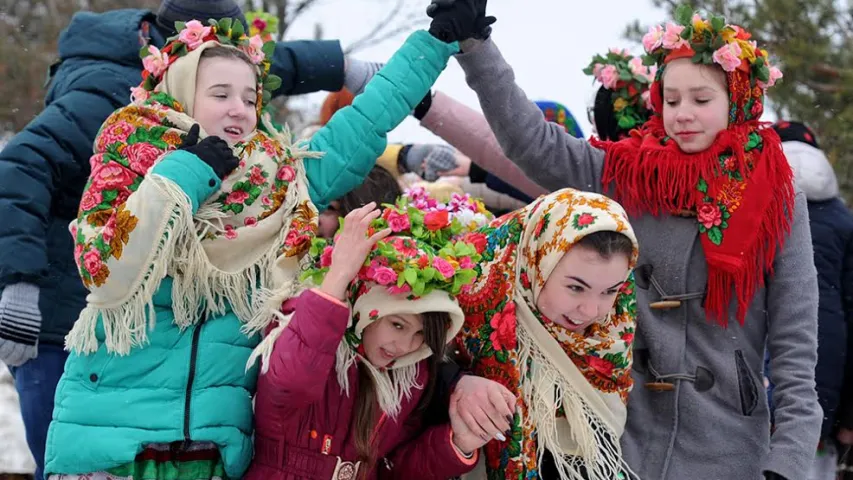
{"x": 263, "y": 24}
{"x": 419, "y": 257}
{"x": 470, "y": 212}
{"x": 710, "y": 41}
{"x": 629, "y": 78}
{"x": 193, "y": 34}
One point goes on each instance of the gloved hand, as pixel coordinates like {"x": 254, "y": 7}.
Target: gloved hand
{"x": 358, "y": 74}
{"x": 429, "y": 160}
{"x": 773, "y": 476}
{"x": 213, "y": 151}
{"x": 20, "y": 323}
{"x": 452, "y": 19}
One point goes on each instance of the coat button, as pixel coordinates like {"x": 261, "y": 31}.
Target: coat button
{"x": 660, "y": 386}
{"x": 665, "y": 304}
{"x": 93, "y": 378}
{"x": 212, "y": 182}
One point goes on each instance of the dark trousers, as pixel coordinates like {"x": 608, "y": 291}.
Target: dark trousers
{"x": 36, "y": 382}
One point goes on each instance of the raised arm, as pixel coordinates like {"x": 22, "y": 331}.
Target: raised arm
{"x": 544, "y": 151}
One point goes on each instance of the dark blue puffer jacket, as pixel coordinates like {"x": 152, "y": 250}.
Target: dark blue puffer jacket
{"x": 832, "y": 237}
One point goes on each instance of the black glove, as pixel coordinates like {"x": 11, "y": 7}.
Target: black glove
{"x": 423, "y": 108}
{"x": 213, "y": 151}
{"x": 452, "y": 20}
{"x": 773, "y": 476}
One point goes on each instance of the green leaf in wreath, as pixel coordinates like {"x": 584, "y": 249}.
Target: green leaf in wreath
{"x": 273, "y": 82}
{"x": 684, "y": 14}
{"x": 718, "y": 23}
{"x": 411, "y": 276}
{"x": 225, "y": 24}
{"x": 237, "y": 30}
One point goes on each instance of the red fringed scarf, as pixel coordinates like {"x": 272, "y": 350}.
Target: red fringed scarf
{"x": 741, "y": 188}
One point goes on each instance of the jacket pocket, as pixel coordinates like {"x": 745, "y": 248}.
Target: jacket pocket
{"x": 746, "y": 385}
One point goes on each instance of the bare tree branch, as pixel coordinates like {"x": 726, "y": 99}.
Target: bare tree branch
{"x": 366, "y": 42}
{"x": 376, "y": 35}
{"x": 300, "y": 8}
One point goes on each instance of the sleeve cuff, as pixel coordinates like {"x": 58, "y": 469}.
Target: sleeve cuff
{"x": 465, "y": 460}
{"x": 329, "y": 297}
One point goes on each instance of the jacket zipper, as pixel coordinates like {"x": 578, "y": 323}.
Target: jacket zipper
{"x": 190, "y": 379}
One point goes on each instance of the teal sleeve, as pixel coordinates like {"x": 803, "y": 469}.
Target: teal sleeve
{"x": 357, "y": 135}
{"x": 189, "y": 172}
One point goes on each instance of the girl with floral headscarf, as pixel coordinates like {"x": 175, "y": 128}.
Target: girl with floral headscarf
{"x": 191, "y": 232}
{"x": 551, "y": 319}
{"x": 347, "y": 372}
{"x": 726, "y": 268}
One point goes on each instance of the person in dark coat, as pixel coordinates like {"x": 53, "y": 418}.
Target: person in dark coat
{"x": 831, "y": 225}
{"x": 43, "y": 170}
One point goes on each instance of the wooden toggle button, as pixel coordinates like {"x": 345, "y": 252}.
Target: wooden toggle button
{"x": 660, "y": 386}
{"x": 665, "y": 304}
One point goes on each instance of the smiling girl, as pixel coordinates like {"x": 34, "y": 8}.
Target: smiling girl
{"x": 551, "y": 318}
{"x": 726, "y": 269}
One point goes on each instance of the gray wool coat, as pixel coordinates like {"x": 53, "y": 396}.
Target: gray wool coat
{"x": 705, "y": 416}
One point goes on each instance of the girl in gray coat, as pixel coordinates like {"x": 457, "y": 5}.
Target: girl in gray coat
{"x": 726, "y": 262}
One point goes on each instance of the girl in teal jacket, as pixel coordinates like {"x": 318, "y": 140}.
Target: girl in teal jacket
{"x": 189, "y": 237}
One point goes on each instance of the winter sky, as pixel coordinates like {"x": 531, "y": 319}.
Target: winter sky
{"x": 548, "y": 43}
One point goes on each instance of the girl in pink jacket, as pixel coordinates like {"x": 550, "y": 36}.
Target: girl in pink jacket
{"x": 346, "y": 374}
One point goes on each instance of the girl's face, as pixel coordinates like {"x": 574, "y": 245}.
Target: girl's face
{"x": 695, "y": 104}
{"x": 225, "y": 98}
{"x": 391, "y": 337}
{"x": 329, "y": 221}
{"x": 582, "y": 288}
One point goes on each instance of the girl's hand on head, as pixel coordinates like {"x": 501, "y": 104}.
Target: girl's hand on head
{"x": 352, "y": 246}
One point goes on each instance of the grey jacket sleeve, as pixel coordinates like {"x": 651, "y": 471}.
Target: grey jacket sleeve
{"x": 792, "y": 302}
{"x": 544, "y": 151}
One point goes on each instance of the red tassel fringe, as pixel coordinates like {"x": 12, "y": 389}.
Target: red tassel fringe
{"x": 647, "y": 176}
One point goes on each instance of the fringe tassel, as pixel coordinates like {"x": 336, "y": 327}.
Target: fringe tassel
{"x": 600, "y": 455}
{"x": 125, "y": 326}
{"x": 391, "y": 386}
{"x": 265, "y": 348}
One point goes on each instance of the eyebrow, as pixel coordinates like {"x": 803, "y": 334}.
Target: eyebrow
{"x": 401, "y": 319}
{"x": 228, "y": 85}
{"x": 692, "y": 89}
{"x": 570, "y": 277}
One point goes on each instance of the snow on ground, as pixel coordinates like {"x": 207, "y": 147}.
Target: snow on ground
{"x": 14, "y": 455}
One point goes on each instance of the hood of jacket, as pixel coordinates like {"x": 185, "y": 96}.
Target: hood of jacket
{"x": 812, "y": 170}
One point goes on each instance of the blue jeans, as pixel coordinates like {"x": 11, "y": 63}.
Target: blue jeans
{"x": 36, "y": 384}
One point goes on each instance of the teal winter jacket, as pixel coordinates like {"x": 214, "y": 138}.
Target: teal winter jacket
{"x": 191, "y": 384}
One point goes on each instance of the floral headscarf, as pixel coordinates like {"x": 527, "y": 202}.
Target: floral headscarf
{"x": 558, "y": 113}
{"x": 241, "y": 249}
{"x": 741, "y": 188}
{"x": 572, "y": 386}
